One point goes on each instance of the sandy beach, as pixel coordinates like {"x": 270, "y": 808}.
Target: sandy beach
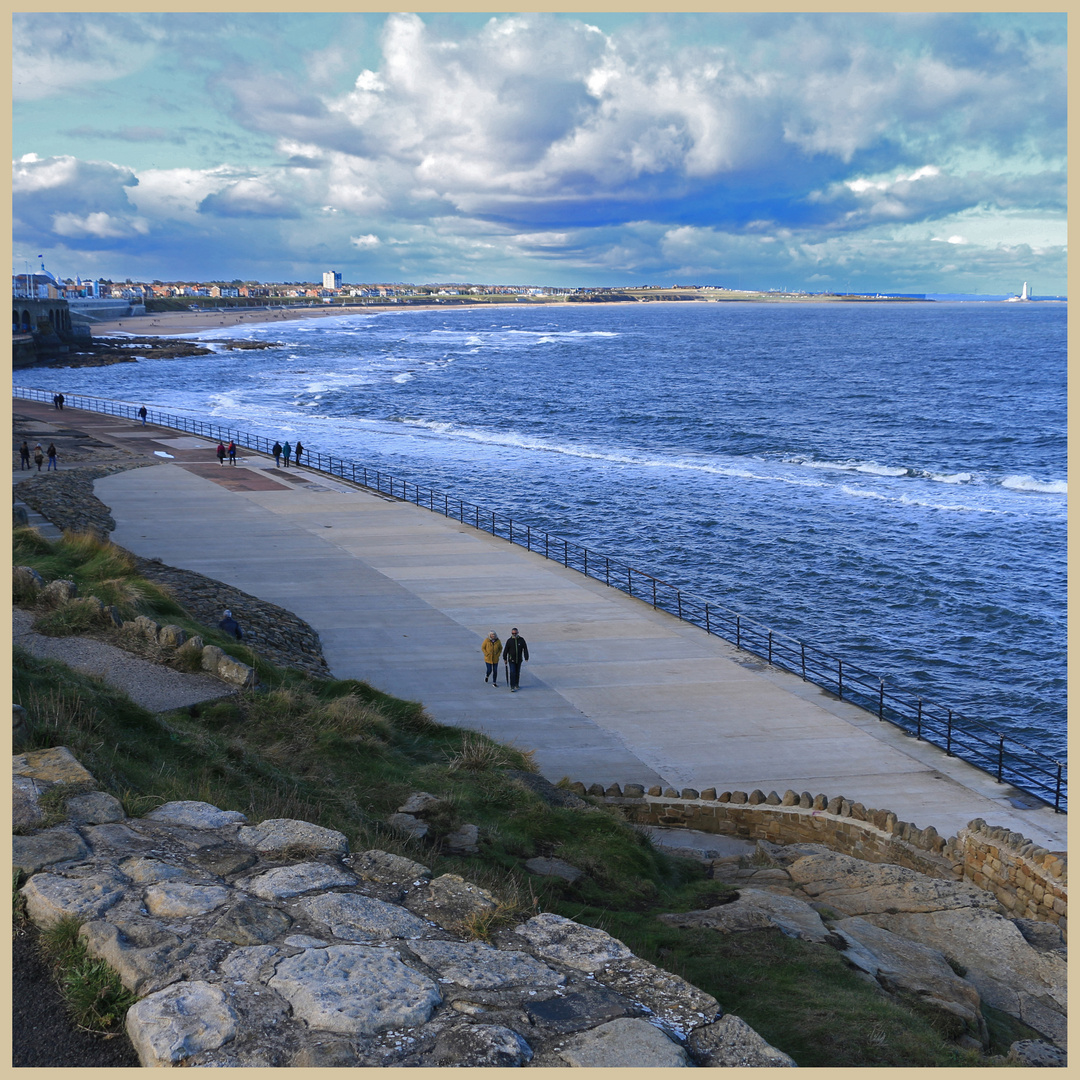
{"x": 168, "y": 323}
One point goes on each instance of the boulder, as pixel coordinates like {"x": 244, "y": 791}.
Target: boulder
{"x": 56, "y": 765}
{"x": 26, "y": 582}
{"x": 626, "y": 1043}
{"x": 248, "y": 922}
{"x": 175, "y": 1023}
{"x": 673, "y": 1003}
{"x": 853, "y": 887}
{"x": 419, "y": 801}
{"x": 147, "y": 871}
{"x": 755, "y": 909}
{"x": 20, "y": 729}
{"x": 406, "y": 823}
{"x": 94, "y": 808}
{"x": 563, "y": 941}
{"x": 731, "y": 1043}
{"x": 274, "y": 834}
{"x": 219, "y": 664}
{"x": 171, "y": 636}
{"x": 58, "y": 592}
{"x": 32, "y": 853}
{"x": 1008, "y": 972}
{"x": 144, "y": 627}
{"x": 553, "y": 868}
{"x": 140, "y": 950}
{"x": 1037, "y": 1054}
{"x": 176, "y": 900}
{"x": 914, "y": 971}
{"x": 387, "y": 869}
{"x": 465, "y": 840}
{"x": 451, "y": 902}
{"x": 25, "y": 810}
{"x": 195, "y": 815}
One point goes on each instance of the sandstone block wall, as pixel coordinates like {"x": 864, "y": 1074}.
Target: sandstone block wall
{"x": 1031, "y": 882}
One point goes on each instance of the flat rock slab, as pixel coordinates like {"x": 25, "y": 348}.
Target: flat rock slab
{"x": 250, "y": 923}
{"x": 354, "y": 990}
{"x": 148, "y": 871}
{"x": 482, "y": 1046}
{"x": 195, "y": 815}
{"x": 451, "y": 902}
{"x": 564, "y": 941}
{"x": 50, "y": 897}
{"x": 31, "y": 853}
{"x": 477, "y": 966}
{"x": 94, "y": 808}
{"x": 626, "y": 1043}
{"x": 179, "y": 901}
{"x": 180, "y": 1021}
{"x": 553, "y": 868}
{"x": 305, "y": 877}
{"x": 676, "y": 1005}
{"x": 54, "y": 766}
{"x": 278, "y": 833}
{"x": 353, "y": 917}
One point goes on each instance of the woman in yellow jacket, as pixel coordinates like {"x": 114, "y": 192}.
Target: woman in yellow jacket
{"x": 492, "y": 650}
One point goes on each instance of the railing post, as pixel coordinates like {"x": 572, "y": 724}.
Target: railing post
{"x": 881, "y": 699}
{"x": 840, "y": 679}
{"x": 586, "y": 550}
{"x": 546, "y": 539}
{"x": 918, "y": 722}
{"x": 948, "y": 737}
{"x": 1057, "y": 791}
{"x": 654, "y": 593}
{"x": 607, "y": 571}
{"x": 802, "y": 650}
{"x": 678, "y": 602}
{"x": 629, "y": 582}
{"x": 511, "y": 530}
{"x": 1001, "y": 756}
{"x": 565, "y": 553}
{"x": 707, "y": 630}
{"x": 770, "y": 646}
{"x": 528, "y": 538}
{"x": 492, "y": 522}
{"x": 738, "y": 631}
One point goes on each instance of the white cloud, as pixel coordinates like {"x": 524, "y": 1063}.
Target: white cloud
{"x": 99, "y": 224}
{"x": 368, "y": 241}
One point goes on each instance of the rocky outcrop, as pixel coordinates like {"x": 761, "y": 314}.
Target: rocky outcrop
{"x": 245, "y": 953}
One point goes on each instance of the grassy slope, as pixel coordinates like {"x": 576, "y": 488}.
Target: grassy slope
{"x": 344, "y": 755}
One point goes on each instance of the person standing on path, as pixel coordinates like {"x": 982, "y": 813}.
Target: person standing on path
{"x": 276, "y": 451}
{"x": 39, "y": 456}
{"x": 515, "y": 653}
{"x": 231, "y": 626}
{"x": 56, "y": 401}
{"x": 220, "y": 451}
{"x": 24, "y": 455}
{"x": 142, "y": 415}
{"x": 232, "y": 452}
{"x": 60, "y": 401}
{"x": 299, "y": 451}
{"x": 492, "y": 650}
{"x": 285, "y": 451}
{"x": 52, "y": 457}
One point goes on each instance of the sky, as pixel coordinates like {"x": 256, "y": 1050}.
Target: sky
{"x": 827, "y": 152}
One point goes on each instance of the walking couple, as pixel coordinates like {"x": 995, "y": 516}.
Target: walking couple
{"x": 515, "y": 653}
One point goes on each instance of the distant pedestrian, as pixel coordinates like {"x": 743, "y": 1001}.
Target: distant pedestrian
{"x": 231, "y": 626}
{"x": 515, "y": 653}
{"x": 60, "y": 400}
{"x": 232, "y": 452}
{"x": 220, "y": 453}
{"x": 492, "y": 650}
{"x": 286, "y": 450}
{"x": 39, "y": 456}
{"x": 299, "y": 451}
{"x": 277, "y": 455}
{"x": 52, "y": 457}
{"x": 56, "y": 401}
{"x": 24, "y": 455}
{"x": 142, "y": 415}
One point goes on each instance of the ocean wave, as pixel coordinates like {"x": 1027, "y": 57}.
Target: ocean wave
{"x": 1029, "y": 483}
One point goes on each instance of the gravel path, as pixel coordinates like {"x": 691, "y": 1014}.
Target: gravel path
{"x": 153, "y": 686}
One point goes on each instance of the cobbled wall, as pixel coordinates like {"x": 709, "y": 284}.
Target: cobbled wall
{"x": 273, "y": 945}
{"x": 1028, "y": 880}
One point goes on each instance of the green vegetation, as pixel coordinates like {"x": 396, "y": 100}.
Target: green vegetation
{"x": 344, "y": 755}
{"x": 92, "y": 991}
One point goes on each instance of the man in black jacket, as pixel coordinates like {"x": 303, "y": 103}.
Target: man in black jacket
{"x": 515, "y": 653}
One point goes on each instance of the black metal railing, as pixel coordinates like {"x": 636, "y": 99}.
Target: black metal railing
{"x": 1006, "y": 758}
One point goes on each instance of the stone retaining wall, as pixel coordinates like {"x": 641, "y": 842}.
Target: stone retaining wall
{"x": 1026, "y": 879}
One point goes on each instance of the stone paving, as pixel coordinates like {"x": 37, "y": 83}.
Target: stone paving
{"x": 273, "y": 945}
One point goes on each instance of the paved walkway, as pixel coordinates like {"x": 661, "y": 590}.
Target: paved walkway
{"x": 614, "y": 692}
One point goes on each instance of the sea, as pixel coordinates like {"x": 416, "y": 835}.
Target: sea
{"x": 886, "y": 481}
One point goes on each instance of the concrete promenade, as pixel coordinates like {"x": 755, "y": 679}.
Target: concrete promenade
{"x": 614, "y": 691}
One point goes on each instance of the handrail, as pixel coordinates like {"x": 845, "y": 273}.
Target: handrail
{"x": 1001, "y": 755}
